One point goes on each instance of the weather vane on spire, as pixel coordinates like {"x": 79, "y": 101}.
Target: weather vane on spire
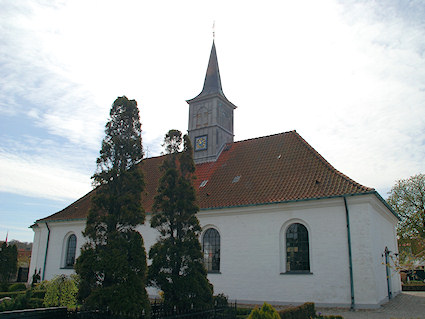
{"x": 213, "y": 28}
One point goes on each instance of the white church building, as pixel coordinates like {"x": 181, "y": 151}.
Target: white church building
{"x": 279, "y": 223}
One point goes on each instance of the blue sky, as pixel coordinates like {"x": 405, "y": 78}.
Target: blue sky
{"x": 349, "y": 76}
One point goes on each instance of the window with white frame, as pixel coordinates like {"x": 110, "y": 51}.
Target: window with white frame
{"x": 297, "y": 248}
{"x": 71, "y": 246}
{"x": 211, "y": 250}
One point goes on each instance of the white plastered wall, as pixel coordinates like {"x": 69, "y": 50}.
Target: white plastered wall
{"x": 252, "y": 265}
{"x": 372, "y": 229}
{"x": 253, "y": 253}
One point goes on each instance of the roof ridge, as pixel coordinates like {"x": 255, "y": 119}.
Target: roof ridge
{"x": 265, "y": 136}
{"x": 328, "y": 165}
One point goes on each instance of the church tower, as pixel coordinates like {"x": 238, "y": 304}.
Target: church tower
{"x": 210, "y": 116}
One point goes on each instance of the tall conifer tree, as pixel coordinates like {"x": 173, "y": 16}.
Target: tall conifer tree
{"x": 177, "y": 262}
{"x": 112, "y": 264}
{"x": 8, "y": 262}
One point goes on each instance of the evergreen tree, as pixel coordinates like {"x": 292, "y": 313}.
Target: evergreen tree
{"x": 177, "y": 262}
{"x": 8, "y": 262}
{"x": 112, "y": 264}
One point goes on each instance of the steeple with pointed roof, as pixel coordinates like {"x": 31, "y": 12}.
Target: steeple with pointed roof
{"x": 210, "y": 116}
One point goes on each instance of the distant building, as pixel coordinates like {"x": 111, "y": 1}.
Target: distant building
{"x": 279, "y": 223}
{"x": 24, "y": 260}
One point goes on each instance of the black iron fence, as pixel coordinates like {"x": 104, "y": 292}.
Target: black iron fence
{"x": 217, "y": 312}
{"x": 157, "y": 312}
{"x": 41, "y": 313}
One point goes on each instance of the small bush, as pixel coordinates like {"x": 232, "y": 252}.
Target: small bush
{"x": 35, "y": 303}
{"x": 62, "y": 291}
{"x": 17, "y": 287}
{"x": 265, "y": 312}
{"x": 38, "y": 293}
{"x": 243, "y": 311}
{"x": 6, "y": 305}
{"x": 306, "y": 310}
{"x": 220, "y": 300}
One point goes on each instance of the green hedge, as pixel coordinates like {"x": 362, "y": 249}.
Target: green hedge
{"x": 413, "y": 287}
{"x": 306, "y": 310}
{"x": 11, "y": 294}
{"x": 38, "y": 293}
{"x": 21, "y": 300}
{"x": 242, "y": 313}
{"x": 17, "y": 287}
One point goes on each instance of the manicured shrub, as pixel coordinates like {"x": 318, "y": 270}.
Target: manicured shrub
{"x": 6, "y": 305}
{"x": 17, "y": 287}
{"x": 35, "y": 303}
{"x": 11, "y": 294}
{"x": 4, "y": 286}
{"x": 220, "y": 300}
{"x": 243, "y": 311}
{"x": 265, "y": 312}
{"x": 62, "y": 291}
{"x": 303, "y": 311}
{"x": 38, "y": 293}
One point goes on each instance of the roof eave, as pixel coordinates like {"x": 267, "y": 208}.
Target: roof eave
{"x": 202, "y": 97}
{"x": 372, "y": 192}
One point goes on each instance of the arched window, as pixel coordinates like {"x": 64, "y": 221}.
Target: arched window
{"x": 297, "y": 251}
{"x": 211, "y": 250}
{"x": 70, "y": 251}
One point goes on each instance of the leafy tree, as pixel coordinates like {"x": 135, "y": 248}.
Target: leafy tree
{"x": 61, "y": 291}
{"x": 177, "y": 262}
{"x": 112, "y": 264}
{"x": 8, "y": 262}
{"x": 407, "y": 198}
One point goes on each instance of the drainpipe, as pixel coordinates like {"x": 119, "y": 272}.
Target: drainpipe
{"x": 387, "y": 269}
{"x": 350, "y": 259}
{"x": 47, "y": 248}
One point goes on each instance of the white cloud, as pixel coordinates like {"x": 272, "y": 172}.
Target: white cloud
{"x": 347, "y": 75}
{"x": 40, "y": 179}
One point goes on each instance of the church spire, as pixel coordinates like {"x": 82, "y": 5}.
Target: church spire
{"x": 212, "y": 83}
{"x": 210, "y": 116}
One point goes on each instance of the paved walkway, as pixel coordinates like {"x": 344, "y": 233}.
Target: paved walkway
{"x": 407, "y": 305}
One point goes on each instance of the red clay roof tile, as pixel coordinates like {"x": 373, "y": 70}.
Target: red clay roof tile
{"x": 275, "y": 168}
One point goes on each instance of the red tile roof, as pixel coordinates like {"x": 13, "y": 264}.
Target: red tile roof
{"x": 271, "y": 169}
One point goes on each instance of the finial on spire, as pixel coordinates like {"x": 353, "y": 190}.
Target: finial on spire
{"x": 213, "y": 28}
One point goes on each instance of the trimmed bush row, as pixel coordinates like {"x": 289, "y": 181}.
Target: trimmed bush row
{"x": 17, "y": 287}
{"x": 414, "y": 287}
{"x": 306, "y": 310}
{"x": 11, "y": 294}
